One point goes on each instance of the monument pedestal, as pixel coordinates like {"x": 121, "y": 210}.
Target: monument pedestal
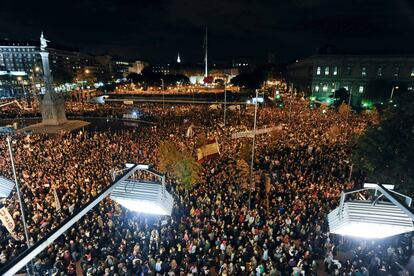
{"x": 53, "y": 110}
{"x": 54, "y": 120}
{"x": 68, "y": 126}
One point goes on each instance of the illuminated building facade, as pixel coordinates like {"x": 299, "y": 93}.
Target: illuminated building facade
{"x": 322, "y": 75}
{"x": 18, "y": 58}
{"x": 18, "y": 61}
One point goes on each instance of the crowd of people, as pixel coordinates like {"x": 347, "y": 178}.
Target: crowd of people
{"x": 278, "y": 227}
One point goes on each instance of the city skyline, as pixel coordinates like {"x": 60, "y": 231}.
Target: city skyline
{"x": 157, "y": 30}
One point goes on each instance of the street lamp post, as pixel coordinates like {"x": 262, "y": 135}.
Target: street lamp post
{"x": 225, "y": 102}
{"x": 253, "y": 146}
{"x": 392, "y": 91}
{"x": 162, "y": 88}
{"x": 290, "y": 102}
{"x": 26, "y": 234}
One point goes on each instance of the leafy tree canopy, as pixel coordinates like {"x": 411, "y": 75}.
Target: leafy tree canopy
{"x": 149, "y": 78}
{"x": 386, "y": 151}
{"x": 251, "y": 80}
{"x": 180, "y": 164}
{"x": 341, "y": 96}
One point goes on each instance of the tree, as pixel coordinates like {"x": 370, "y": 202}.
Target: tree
{"x": 341, "y": 96}
{"x": 150, "y": 78}
{"x": 62, "y": 76}
{"x": 179, "y": 164}
{"x": 187, "y": 171}
{"x": 372, "y": 115}
{"x": 249, "y": 80}
{"x": 377, "y": 90}
{"x": 343, "y": 110}
{"x": 386, "y": 151}
{"x": 167, "y": 155}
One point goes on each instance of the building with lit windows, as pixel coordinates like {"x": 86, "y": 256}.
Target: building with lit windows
{"x": 120, "y": 67}
{"x": 19, "y": 61}
{"x": 322, "y": 75}
{"x": 64, "y": 63}
{"x": 18, "y": 58}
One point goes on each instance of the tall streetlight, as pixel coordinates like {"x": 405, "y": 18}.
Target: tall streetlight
{"x": 290, "y": 102}
{"x": 162, "y": 88}
{"x": 394, "y": 87}
{"x": 225, "y": 102}
{"x": 19, "y": 197}
{"x": 253, "y": 145}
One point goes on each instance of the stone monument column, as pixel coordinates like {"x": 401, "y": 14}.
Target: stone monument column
{"x": 52, "y": 104}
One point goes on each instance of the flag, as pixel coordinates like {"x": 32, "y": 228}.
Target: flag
{"x": 7, "y": 219}
{"x": 190, "y": 131}
{"x": 208, "y": 150}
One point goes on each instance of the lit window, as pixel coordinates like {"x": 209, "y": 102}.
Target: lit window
{"x": 361, "y": 89}
{"x": 396, "y": 71}
{"x": 316, "y": 88}
{"x": 379, "y": 71}
{"x": 325, "y": 88}
{"x": 346, "y": 87}
{"x": 327, "y": 70}
{"x": 364, "y": 71}
{"x": 335, "y": 71}
{"x": 318, "y": 70}
{"x": 412, "y": 72}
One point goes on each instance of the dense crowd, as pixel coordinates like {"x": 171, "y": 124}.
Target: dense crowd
{"x": 214, "y": 229}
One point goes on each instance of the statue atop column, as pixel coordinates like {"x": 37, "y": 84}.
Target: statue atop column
{"x": 52, "y": 105}
{"x": 43, "y": 42}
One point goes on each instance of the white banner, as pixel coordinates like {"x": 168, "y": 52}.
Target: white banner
{"x": 57, "y": 202}
{"x": 7, "y": 219}
{"x": 258, "y": 132}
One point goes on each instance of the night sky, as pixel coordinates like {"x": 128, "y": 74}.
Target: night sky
{"x": 155, "y": 30}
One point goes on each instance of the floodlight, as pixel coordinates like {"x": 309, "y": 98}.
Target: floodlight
{"x": 374, "y": 185}
{"x": 363, "y": 219}
{"x": 6, "y": 186}
{"x": 375, "y": 218}
{"x": 143, "y": 167}
{"x": 143, "y": 196}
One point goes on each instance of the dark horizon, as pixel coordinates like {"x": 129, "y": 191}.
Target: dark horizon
{"x": 156, "y": 31}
